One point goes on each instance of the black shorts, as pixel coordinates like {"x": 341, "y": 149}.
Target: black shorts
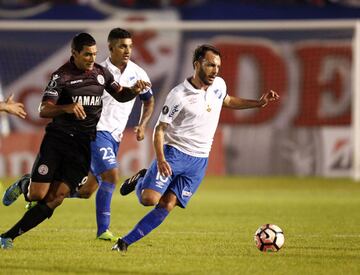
{"x": 63, "y": 157}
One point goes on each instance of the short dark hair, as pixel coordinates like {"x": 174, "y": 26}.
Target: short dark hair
{"x": 118, "y": 33}
{"x": 82, "y": 39}
{"x": 201, "y": 50}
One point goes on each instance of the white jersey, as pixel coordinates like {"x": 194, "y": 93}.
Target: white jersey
{"x": 114, "y": 115}
{"x": 193, "y": 116}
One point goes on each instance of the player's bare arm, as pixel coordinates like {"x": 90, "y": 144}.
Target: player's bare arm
{"x": 163, "y": 166}
{"x": 241, "y": 103}
{"x": 147, "y": 109}
{"x": 124, "y": 94}
{"x": 12, "y": 107}
{"x": 48, "y": 109}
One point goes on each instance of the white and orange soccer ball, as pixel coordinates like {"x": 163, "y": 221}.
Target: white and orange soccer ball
{"x": 269, "y": 237}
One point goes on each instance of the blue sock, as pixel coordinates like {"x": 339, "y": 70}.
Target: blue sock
{"x": 103, "y": 202}
{"x": 152, "y": 220}
{"x": 138, "y": 188}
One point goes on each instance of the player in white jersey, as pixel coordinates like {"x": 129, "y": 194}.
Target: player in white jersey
{"x": 113, "y": 120}
{"x": 182, "y": 142}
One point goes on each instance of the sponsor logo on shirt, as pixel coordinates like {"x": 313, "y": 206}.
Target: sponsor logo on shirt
{"x": 88, "y": 100}
{"x": 51, "y": 93}
{"x": 165, "y": 110}
{"x": 174, "y": 110}
{"x": 76, "y": 81}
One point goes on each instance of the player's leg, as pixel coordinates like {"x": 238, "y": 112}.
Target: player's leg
{"x": 130, "y": 184}
{"x": 104, "y": 195}
{"x": 37, "y": 214}
{"x": 104, "y": 166}
{"x": 151, "y": 190}
{"x": 88, "y": 188}
{"x": 43, "y": 171}
{"x": 149, "y": 222}
{"x": 188, "y": 173}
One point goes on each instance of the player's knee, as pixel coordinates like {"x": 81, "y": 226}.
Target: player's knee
{"x": 168, "y": 205}
{"x": 56, "y": 200}
{"x": 85, "y": 193}
{"x": 110, "y": 176}
{"x": 36, "y": 196}
{"x": 148, "y": 200}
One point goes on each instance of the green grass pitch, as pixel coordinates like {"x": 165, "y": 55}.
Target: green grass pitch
{"x": 214, "y": 235}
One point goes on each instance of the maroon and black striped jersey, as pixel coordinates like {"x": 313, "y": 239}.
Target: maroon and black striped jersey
{"x": 68, "y": 84}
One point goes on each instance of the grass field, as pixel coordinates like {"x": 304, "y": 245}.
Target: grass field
{"x": 214, "y": 235}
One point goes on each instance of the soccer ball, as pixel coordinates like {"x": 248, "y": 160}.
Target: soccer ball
{"x": 269, "y": 237}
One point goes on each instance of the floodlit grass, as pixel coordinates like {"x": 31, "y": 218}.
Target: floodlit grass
{"x": 214, "y": 235}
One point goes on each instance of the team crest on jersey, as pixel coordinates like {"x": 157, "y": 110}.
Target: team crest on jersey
{"x": 218, "y": 93}
{"x": 165, "y": 110}
{"x": 43, "y": 169}
{"x": 100, "y": 79}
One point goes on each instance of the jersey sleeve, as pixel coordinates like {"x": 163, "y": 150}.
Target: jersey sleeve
{"x": 223, "y": 88}
{"x": 171, "y": 108}
{"x": 53, "y": 89}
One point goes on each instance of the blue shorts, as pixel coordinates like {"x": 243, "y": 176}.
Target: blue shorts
{"x": 104, "y": 150}
{"x": 187, "y": 174}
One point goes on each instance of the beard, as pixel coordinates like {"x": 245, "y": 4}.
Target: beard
{"x": 203, "y": 78}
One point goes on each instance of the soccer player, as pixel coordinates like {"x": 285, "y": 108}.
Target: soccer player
{"x": 73, "y": 100}
{"x": 113, "y": 120}
{"x": 12, "y": 107}
{"x": 182, "y": 142}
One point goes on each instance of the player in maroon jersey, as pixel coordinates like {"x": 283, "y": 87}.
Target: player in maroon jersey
{"x": 73, "y": 100}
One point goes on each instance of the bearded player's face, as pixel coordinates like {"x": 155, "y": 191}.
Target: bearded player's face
{"x": 85, "y": 59}
{"x": 209, "y": 68}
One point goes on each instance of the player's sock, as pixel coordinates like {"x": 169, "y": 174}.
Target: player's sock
{"x": 73, "y": 195}
{"x": 24, "y": 186}
{"x": 103, "y": 202}
{"x": 138, "y": 188}
{"x": 31, "y": 218}
{"x": 152, "y": 220}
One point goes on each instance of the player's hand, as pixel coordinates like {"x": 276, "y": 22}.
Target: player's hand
{"x": 77, "y": 109}
{"x": 269, "y": 96}
{"x": 139, "y": 86}
{"x": 140, "y": 132}
{"x": 164, "y": 168}
{"x": 14, "y": 108}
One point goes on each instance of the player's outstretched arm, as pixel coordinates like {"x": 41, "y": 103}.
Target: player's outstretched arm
{"x": 163, "y": 166}
{"x": 12, "y": 107}
{"x": 124, "y": 94}
{"x": 241, "y": 103}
